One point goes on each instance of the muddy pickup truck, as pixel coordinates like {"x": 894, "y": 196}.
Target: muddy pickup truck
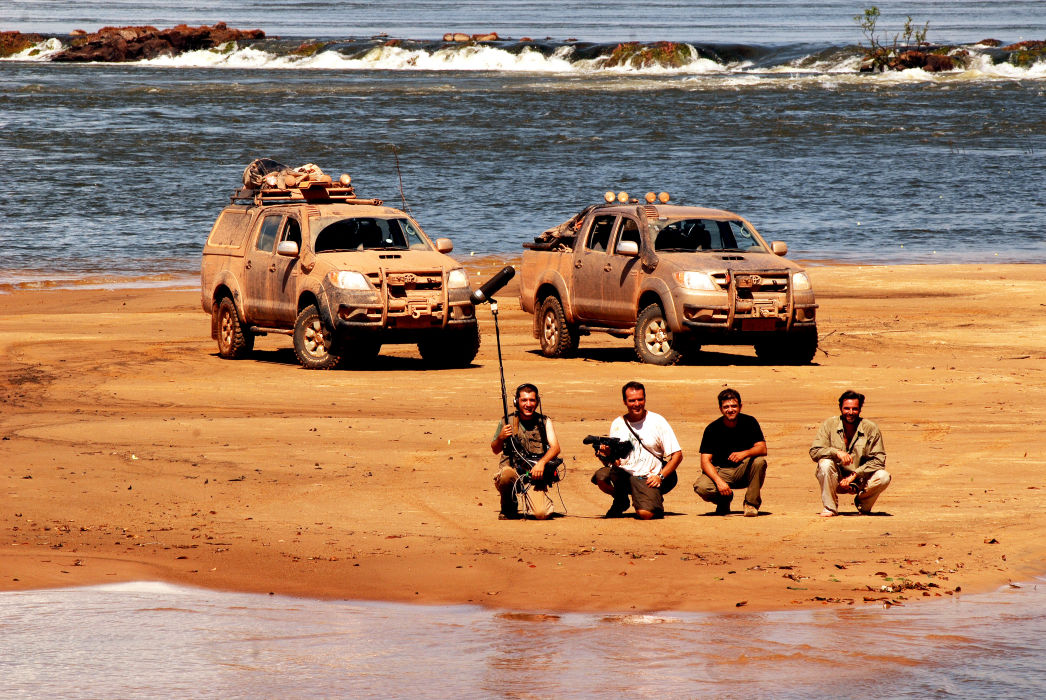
{"x": 673, "y": 277}
{"x": 300, "y": 255}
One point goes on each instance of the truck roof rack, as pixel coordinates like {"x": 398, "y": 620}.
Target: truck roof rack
{"x": 312, "y": 192}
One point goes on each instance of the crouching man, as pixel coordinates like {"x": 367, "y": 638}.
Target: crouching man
{"x": 528, "y": 449}
{"x": 649, "y": 470}
{"x": 850, "y": 457}
{"x": 733, "y": 456}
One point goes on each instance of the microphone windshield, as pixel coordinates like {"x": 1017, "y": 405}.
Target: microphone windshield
{"x": 493, "y": 285}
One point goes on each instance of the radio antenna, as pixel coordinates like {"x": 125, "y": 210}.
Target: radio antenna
{"x": 396, "y": 154}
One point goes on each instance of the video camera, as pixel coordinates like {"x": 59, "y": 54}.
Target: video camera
{"x": 616, "y": 448}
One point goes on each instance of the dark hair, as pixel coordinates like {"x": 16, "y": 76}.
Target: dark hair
{"x": 851, "y": 394}
{"x": 727, "y": 394}
{"x": 633, "y": 385}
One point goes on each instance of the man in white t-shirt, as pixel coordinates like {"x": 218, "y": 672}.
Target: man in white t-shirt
{"x": 649, "y": 470}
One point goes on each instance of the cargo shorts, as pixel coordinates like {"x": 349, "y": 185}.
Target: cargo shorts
{"x": 644, "y": 497}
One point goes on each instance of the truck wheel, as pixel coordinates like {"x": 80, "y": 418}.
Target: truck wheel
{"x": 234, "y": 340}
{"x": 797, "y": 348}
{"x": 450, "y": 349}
{"x": 313, "y": 341}
{"x": 556, "y": 336}
{"x": 655, "y": 343}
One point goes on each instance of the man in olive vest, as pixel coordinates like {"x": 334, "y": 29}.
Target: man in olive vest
{"x": 528, "y": 449}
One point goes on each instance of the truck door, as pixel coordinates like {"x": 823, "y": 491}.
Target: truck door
{"x": 259, "y": 271}
{"x": 621, "y": 276}
{"x": 284, "y": 270}
{"x": 589, "y": 267}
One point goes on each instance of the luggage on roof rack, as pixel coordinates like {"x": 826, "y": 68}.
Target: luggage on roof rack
{"x": 267, "y": 181}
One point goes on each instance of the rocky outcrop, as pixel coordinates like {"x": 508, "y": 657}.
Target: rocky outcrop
{"x": 665, "y": 54}
{"x": 929, "y": 58}
{"x": 120, "y": 44}
{"x": 462, "y": 38}
{"x": 929, "y": 62}
{"x": 1025, "y": 53}
{"x": 16, "y": 42}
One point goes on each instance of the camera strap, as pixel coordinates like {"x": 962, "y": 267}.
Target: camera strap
{"x": 628, "y": 425}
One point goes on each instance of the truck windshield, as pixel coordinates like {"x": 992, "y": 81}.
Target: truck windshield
{"x": 367, "y": 233}
{"x": 689, "y": 235}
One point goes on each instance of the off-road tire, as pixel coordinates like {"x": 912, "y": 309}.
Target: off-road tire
{"x": 235, "y": 341}
{"x": 314, "y": 342}
{"x": 654, "y": 342}
{"x": 797, "y": 348}
{"x": 450, "y": 349}
{"x": 556, "y": 337}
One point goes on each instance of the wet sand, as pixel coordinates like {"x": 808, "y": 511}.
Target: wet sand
{"x": 130, "y": 451}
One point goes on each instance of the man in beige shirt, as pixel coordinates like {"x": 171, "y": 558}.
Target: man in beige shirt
{"x": 850, "y": 457}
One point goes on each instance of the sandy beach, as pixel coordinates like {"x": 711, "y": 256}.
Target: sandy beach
{"x": 130, "y": 451}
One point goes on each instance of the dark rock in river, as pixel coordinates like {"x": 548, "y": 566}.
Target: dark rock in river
{"x": 1025, "y": 53}
{"x": 16, "y": 42}
{"x": 929, "y": 62}
{"x": 118, "y": 44}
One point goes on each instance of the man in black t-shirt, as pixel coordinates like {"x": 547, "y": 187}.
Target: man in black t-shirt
{"x": 733, "y": 452}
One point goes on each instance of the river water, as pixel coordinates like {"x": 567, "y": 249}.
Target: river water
{"x": 158, "y": 640}
{"x": 117, "y": 171}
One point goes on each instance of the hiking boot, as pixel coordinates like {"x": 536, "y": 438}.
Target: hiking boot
{"x": 751, "y": 511}
{"x": 860, "y": 509}
{"x": 617, "y": 509}
{"x": 722, "y": 508}
{"x": 509, "y": 515}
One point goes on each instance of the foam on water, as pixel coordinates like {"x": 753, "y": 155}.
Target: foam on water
{"x": 562, "y": 59}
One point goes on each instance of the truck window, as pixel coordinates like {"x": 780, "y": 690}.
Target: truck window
{"x": 688, "y": 235}
{"x": 629, "y": 231}
{"x": 367, "y": 233}
{"x": 292, "y": 231}
{"x": 267, "y": 236}
{"x": 231, "y": 229}
{"x": 599, "y": 234}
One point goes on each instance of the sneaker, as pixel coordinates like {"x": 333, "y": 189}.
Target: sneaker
{"x": 826, "y": 513}
{"x": 722, "y": 509}
{"x": 751, "y": 511}
{"x": 860, "y": 509}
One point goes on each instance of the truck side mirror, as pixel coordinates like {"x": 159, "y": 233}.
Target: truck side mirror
{"x": 288, "y": 248}
{"x": 444, "y": 245}
{"x": 630, "y": 248}
{"x": 779, "y": 248}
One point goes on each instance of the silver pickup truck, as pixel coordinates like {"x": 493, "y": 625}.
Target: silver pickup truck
{"x": 673, "y": 277}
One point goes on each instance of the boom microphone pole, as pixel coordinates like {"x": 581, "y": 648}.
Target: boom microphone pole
{"x": 486, "y": 292}
{"x": 501, "y": 367}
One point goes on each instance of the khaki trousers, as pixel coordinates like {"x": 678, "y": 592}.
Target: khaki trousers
{"x": 828, "y": 475}
{"x": 749, "y": 472}
{"x": 538, "y": 503}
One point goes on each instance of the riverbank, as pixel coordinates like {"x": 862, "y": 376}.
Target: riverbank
{"x": 130, "y": 452}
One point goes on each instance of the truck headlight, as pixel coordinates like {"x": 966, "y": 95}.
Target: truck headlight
{"x": 456, "y": 278}
{"x": 348, "y": 279}
{"x": 696, "y": 280}
{"x": 800, "y": 282}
